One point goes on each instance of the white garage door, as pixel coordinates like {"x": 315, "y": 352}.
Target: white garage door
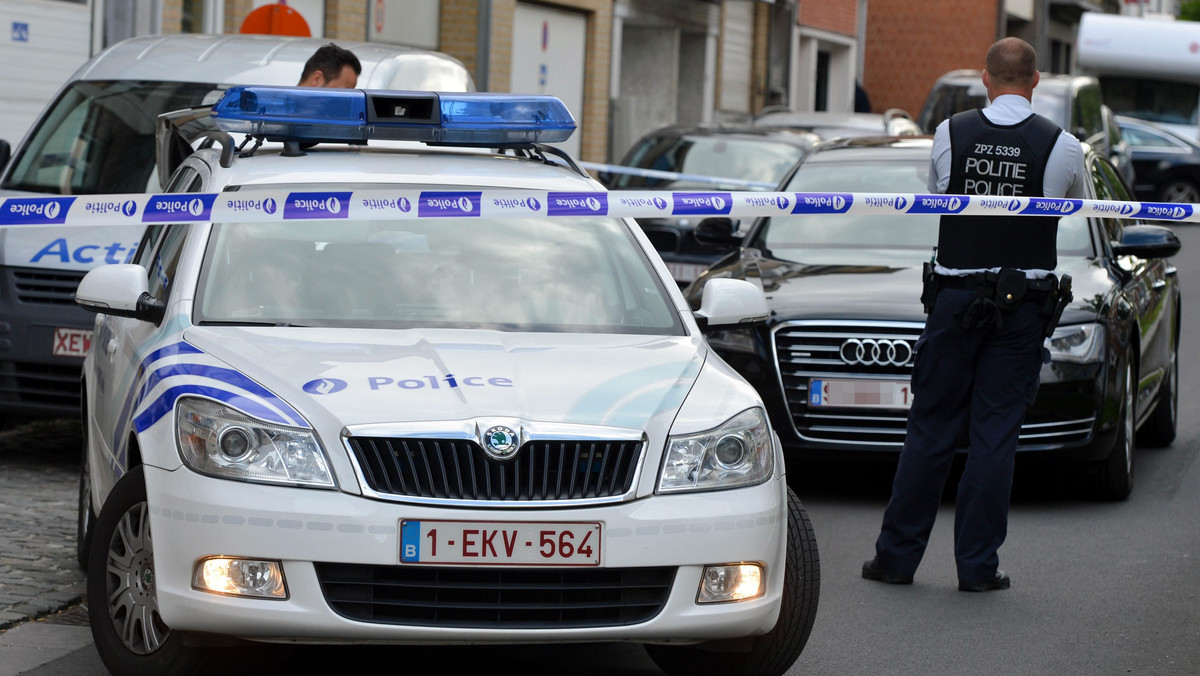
{"x": 548, "y": 56}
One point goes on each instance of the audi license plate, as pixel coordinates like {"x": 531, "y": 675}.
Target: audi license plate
{"x": 860, "y": 393}
{"x": 500, "y": 543}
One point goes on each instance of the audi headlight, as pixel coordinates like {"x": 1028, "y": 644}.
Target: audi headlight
{"x": 738, "y": 453}
{"x": 219, "y": 441}
{"x": 1077, "y": 343}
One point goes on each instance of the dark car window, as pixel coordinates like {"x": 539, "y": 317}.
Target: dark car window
{"x": 1153, "y": 100}
{"x": 1088, "y": 116}
{"x": 100, "y": 138}
{"x": 1109, "y": 187}
{"x": 745, "y": 159}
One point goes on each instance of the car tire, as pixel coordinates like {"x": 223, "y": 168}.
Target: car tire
{"x": 128, "y": 631}
{"x": 1159, "y": 429}
{"x": 1115, "y": 478}
{"x": 1179, "y": 190}
{"x": 773, "y": 653}
{"x": 86, "y": 516}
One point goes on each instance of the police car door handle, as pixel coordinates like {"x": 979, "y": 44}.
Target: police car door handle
{"x": 110, "y": 347}
{"x": 1171, "y": 271}
{"x": 1159, "y": 283}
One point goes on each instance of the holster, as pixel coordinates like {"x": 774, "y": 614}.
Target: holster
{"x": 1057, "y": 302}
{"x": 929, "y": 287}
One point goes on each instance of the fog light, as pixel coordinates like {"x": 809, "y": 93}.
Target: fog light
{"x": 731, "y": 582}
{"x": 240, "y": 577}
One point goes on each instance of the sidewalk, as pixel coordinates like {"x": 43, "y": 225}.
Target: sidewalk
{"x": 39, "y": 487}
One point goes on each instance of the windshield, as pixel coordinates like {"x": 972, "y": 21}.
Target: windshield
{"x": 841, "y": 238}
{"x": 758, "y": 160}
{"x": 99, "y": 138}
{"x": 1150, "y": 99}
{"x": 567, "y": 274}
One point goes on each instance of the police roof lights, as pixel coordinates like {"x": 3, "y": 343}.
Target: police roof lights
{"x": 356, "y": 115}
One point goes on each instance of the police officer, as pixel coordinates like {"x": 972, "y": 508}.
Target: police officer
{"x": 331, "y": 66}
{"x": 989, "y": 297}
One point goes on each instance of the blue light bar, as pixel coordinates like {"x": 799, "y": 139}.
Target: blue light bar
{"x": 356, "y": 115}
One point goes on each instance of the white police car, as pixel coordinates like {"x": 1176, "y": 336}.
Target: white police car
{"x": 371, "y": 398}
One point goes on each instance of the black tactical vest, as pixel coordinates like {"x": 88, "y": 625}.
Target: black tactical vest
{"x": 1000, "y": 161}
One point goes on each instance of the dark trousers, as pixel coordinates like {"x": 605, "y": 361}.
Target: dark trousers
{"x": 988, "y": 375}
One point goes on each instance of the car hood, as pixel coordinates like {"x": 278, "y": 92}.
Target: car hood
{"x": 879, "y": 285}
{"x": 362, "y": 376}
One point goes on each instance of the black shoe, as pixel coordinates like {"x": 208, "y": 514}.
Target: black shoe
{"x": 873, "y": 571}
{"x": 1000, "y": 581}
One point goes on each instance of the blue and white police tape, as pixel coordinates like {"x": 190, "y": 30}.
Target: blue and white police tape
{"x": 251, "y": 205}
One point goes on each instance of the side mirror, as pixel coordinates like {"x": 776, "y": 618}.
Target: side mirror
{"x": 718, "y": 231}
{"x": 120, "y": 290}
{"x": 731, "y": 302}
{"x": 1147, "y": 241}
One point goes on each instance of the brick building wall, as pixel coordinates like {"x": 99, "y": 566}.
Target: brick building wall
{"x": 908, "y": 45}
{"x": 835, "y": 16}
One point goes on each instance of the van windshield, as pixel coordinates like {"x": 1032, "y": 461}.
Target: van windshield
{"x": 99, "y": 138}
{"x": 1152, "y": 100}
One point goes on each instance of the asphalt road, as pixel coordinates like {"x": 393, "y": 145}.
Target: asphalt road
{"x": 1098, "y": 588}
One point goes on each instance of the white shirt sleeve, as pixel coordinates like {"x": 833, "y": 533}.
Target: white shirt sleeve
{"x": 1065, "y": 172}
{"x": 939, "y": 159}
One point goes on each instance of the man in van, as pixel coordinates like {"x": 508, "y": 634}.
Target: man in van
{"x": 331, "y": 66}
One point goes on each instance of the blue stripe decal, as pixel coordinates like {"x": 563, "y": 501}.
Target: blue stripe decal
{"x": 229, "y": 377}
{"x": 166, "y": 403}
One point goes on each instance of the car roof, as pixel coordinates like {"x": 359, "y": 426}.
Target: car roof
{"x": 395, "y": 166}
{"x": 973, "y": 76}
{"x": 871, "y": 147}
{"x": 749, "y": 132}
{"x": 268, "y": 60}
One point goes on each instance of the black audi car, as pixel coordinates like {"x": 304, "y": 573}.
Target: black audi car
{"x": 834, "y": 360}
{"x": 1167, "y": 164}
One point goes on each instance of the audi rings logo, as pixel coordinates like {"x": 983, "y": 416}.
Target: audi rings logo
{"x": 872, "y": 352}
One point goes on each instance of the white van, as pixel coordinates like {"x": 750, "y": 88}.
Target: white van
{"x": 1149, "y": 68}
{"x": 97, "y": 136}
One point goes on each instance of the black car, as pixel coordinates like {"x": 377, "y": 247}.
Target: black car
{"x": 834, "y": 360}
{"x": 1167, "y": 164}
{"x": 704, "y": 157}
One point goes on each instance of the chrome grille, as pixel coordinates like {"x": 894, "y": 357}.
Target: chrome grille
{"x": 495, "y": 597}
{"x": 458, "y": 469}
{"x": 46, "y": 288}
{"x": 807, "y": 350}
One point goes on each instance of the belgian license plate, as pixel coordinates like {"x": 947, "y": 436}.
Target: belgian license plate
{"x": 500, "y": 543}
{"x": 860, "y": 393}
{"x": 72, "y": 342}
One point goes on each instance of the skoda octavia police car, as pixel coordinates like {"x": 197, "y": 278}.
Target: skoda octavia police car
{"x": 346, "y": 394}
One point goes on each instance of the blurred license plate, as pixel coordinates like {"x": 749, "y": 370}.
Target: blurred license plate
{"x": 860, "y": 393}
{"x": 72, "y": 342}
{"x": 500, "y": 543}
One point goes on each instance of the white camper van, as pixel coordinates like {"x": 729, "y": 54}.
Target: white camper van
{"x": 97, "y": 136}
{"x": 1149, "y": 68}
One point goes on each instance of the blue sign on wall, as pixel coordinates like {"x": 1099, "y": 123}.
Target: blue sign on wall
{"x": 20, "y": 31}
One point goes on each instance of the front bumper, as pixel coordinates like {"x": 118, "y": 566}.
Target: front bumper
{"x": 194, "y": 516}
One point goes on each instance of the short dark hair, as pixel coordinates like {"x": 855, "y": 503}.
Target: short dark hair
{"x": 330, "y": 59}
{"x": 1012, "y": 62}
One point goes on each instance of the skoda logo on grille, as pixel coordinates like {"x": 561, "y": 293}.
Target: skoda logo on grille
{"x": 500, "y": 442}
{"x": 872, "y": 352}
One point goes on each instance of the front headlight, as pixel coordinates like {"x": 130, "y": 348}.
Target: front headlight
{"x": 738, "y": 453}
{"x": 1077, "y": 343}
{"x": 219, "y": 441}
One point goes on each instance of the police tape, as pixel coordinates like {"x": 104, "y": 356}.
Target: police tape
{"x": 374, "y": 204}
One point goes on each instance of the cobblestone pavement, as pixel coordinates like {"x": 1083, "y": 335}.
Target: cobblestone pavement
{"x": 39, "y": 486}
